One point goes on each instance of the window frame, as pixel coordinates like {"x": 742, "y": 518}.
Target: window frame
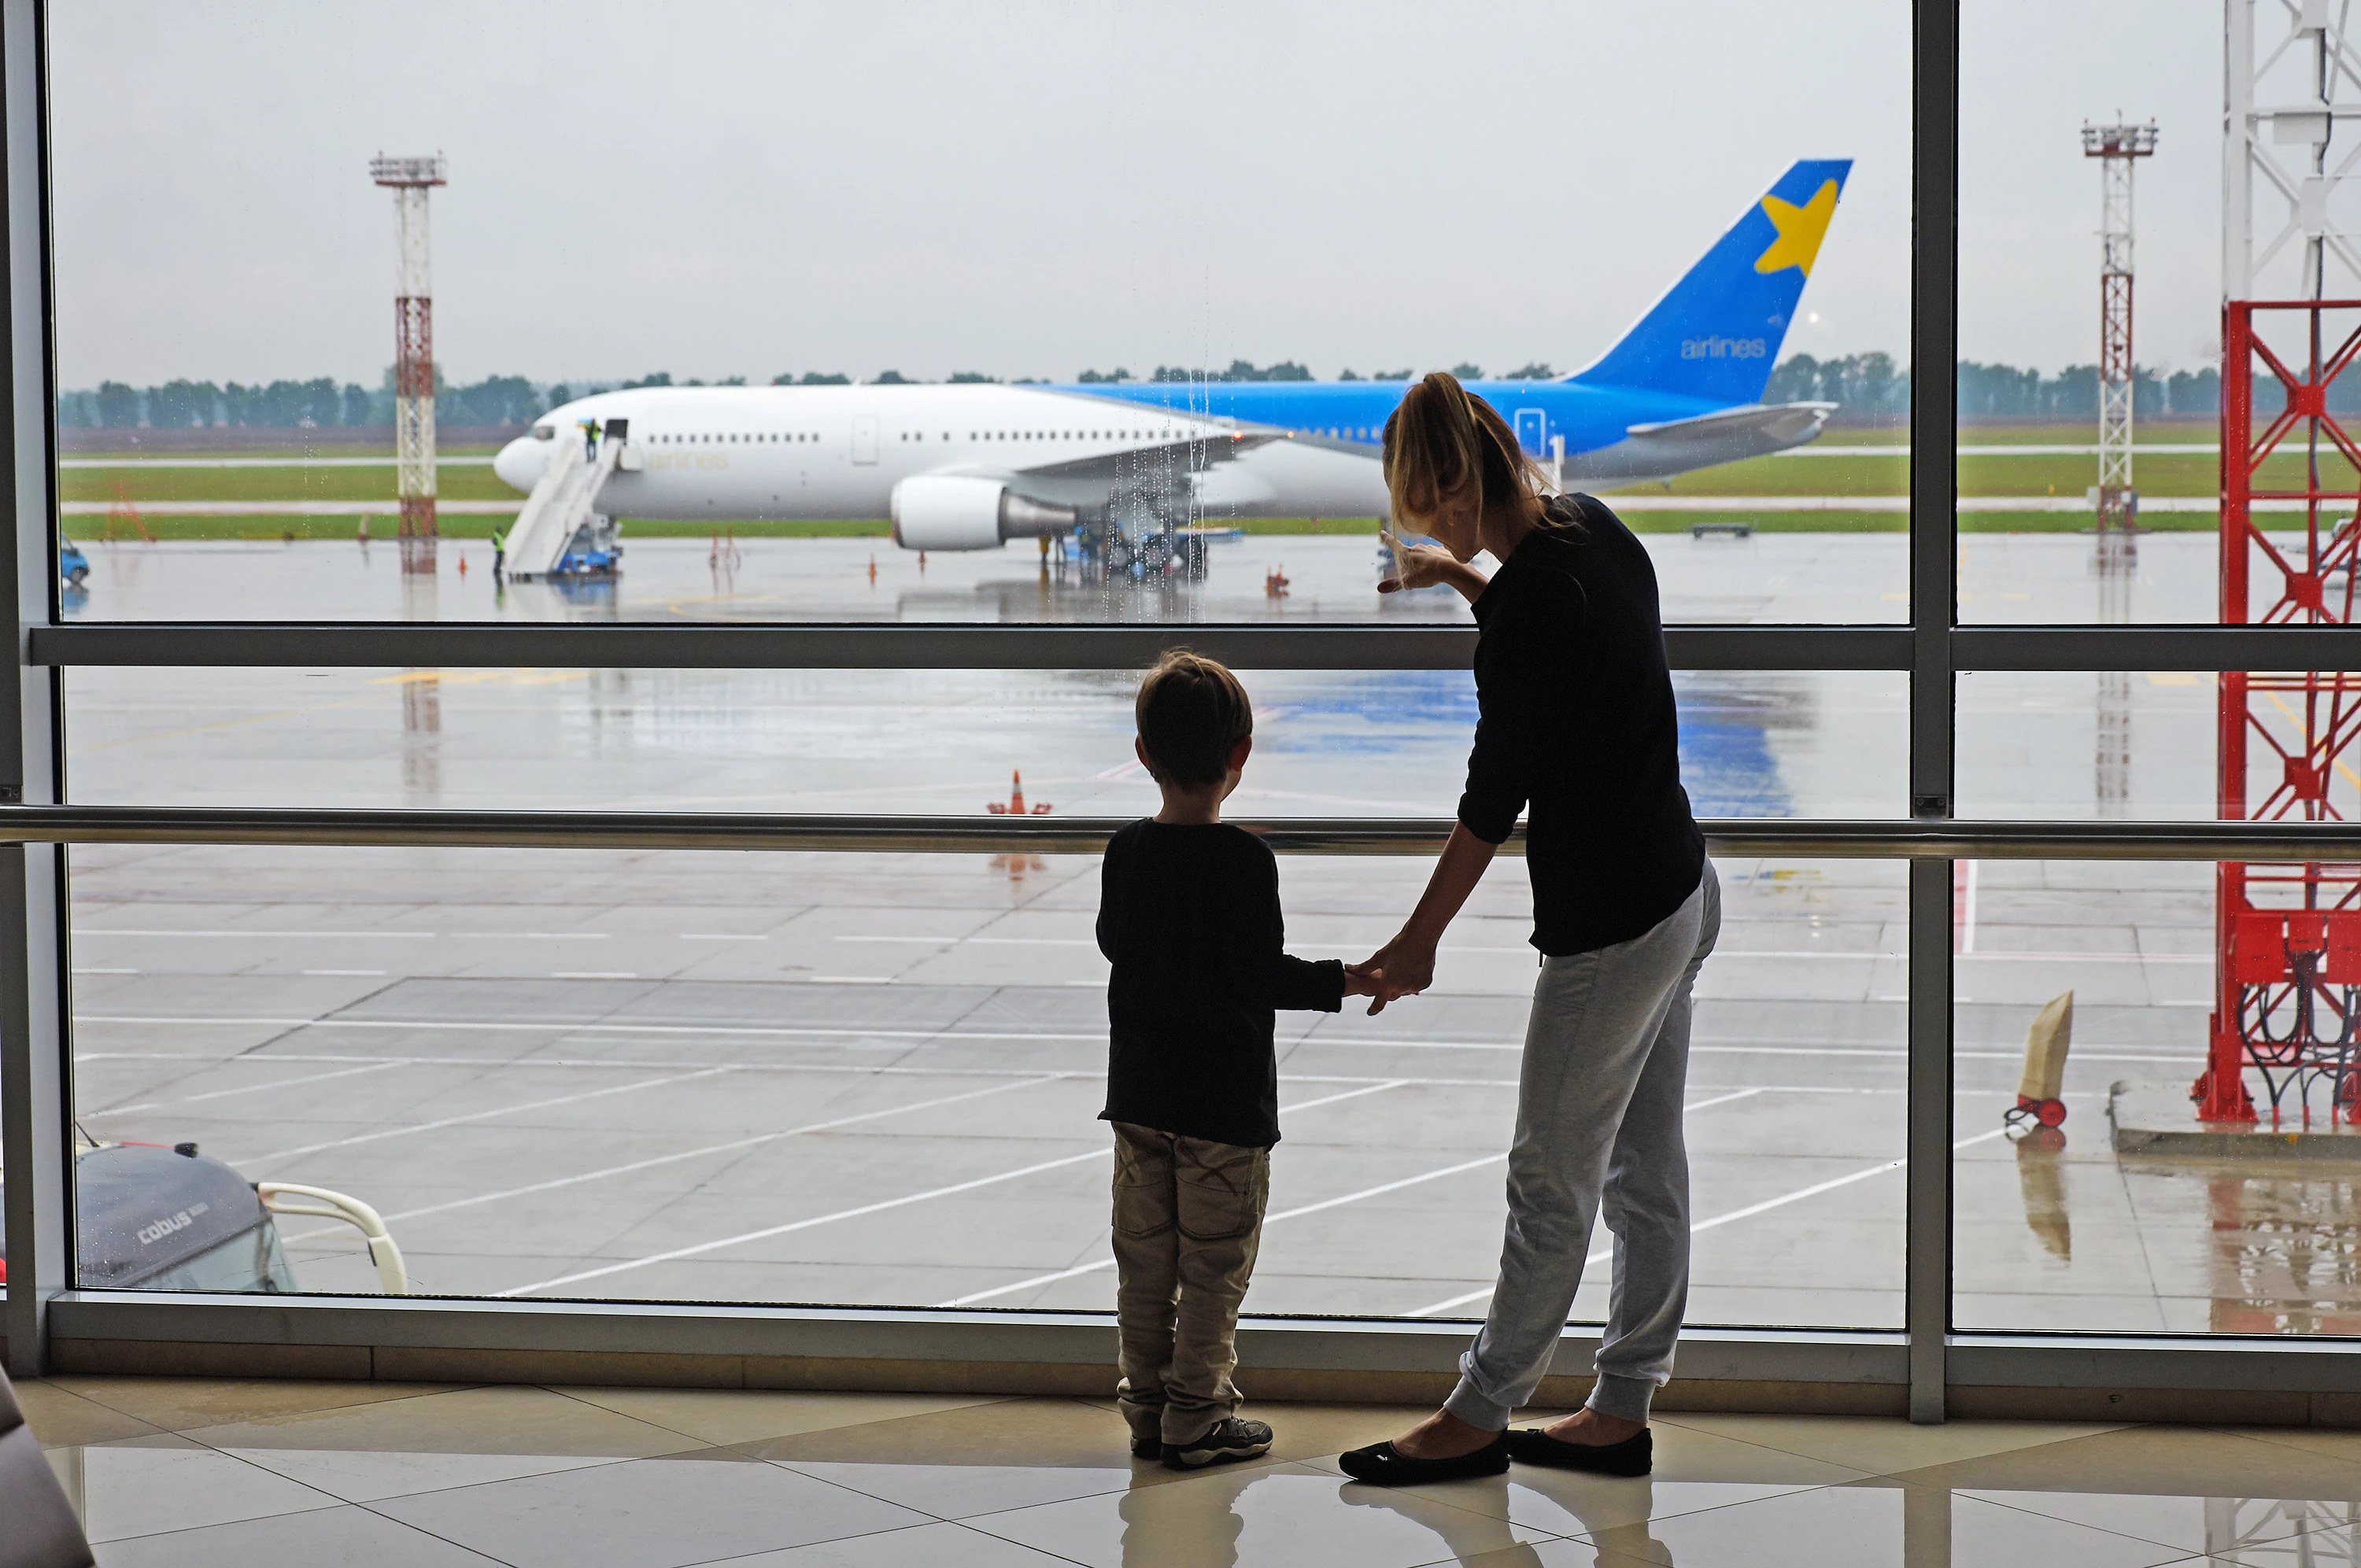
{"x": 1926, "y": 1369}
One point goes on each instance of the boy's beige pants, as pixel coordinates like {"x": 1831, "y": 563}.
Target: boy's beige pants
{"x": 1187, "y": 1219}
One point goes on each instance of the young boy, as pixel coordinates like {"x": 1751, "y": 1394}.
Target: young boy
{"x": 1189, "y": 917}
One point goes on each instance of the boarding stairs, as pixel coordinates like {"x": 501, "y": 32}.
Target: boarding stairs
{"x": 561, "y": 519}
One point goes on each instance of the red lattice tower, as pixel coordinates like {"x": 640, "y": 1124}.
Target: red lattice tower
{"x": 409, "y": 179}
{"x": 2288, "y": 938}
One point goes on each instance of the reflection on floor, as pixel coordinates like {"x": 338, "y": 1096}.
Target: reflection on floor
{"x": 194, "y": 1473}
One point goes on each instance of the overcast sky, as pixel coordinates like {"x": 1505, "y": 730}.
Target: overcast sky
{"x": 1033, "y": 189}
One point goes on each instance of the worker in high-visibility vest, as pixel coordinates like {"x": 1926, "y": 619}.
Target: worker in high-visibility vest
{"x": 500, "y": 548}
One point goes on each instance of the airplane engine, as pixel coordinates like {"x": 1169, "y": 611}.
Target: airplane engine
{"x": 942, "y": 511}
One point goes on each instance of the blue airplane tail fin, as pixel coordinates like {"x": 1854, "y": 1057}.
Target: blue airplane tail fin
{"x": 1716, "y": 332}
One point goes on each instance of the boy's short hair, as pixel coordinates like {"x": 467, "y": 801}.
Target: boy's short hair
{"x": 1192, "y": 713}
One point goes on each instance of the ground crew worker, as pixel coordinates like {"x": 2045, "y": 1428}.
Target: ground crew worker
{"x": 500, "y": 548}
{"x": 590, "y": 439}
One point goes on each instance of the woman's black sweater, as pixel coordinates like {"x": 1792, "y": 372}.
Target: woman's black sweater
{"x": 1577, "y": 728}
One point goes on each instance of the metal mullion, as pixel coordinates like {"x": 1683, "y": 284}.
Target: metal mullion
{"x": 35, "y": 1087}
{"x": 1930, "y": 840}
{"x": 2195, "y": 647}
{"x": 1000, "y": 645}
{"x": 1934, "y": 610}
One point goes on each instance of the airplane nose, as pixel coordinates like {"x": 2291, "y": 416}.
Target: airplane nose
{"x": 521, "y": 462}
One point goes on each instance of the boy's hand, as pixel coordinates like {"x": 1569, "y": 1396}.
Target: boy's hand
{"x": 1403, "y": 967}
{"x": 1360, "y": 980}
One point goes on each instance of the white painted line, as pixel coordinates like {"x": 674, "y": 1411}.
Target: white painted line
{"x": 631, "y": 1064}
{"x": 592, "y": 974}
{"x": 536, "y": 936}
{"x": 922, "y": 941}
{"x": 248, "y": 1088}
{"x": 735, "y": 1144}
{"x": 365, "y": 936}
{"x": 350, "y": 971}
{"x": 1106, "y": 1263}
{"x": 407, "y": 1129}
{"x": 703, "y": 1248}
{"x": 1747, "y": 1212}
{"x": 719, "y": 936}
{"x": 771, "y": 1031}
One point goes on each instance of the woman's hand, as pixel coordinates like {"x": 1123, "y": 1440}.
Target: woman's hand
{"x": 1417, "y": 565}
{"x": 1424, "y": 565}
{"x": 1403, "y": 967}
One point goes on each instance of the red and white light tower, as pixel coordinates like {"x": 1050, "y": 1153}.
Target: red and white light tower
{"x": 2288, "y": 953}
{"x": 409, "y": 179}
{"x": 2118, "y": 148}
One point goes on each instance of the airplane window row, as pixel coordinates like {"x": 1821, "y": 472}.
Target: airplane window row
{"x": 717, "y": 440}
{"x": 1058, "y": 436}
{"x": 1352, "y": 431}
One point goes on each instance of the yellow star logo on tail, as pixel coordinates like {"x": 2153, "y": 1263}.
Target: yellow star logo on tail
{"x": 1801, "y": 229}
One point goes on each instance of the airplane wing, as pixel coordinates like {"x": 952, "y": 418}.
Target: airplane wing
{"x": 1730, "y": 435}
{"x": 1186, "y": 456}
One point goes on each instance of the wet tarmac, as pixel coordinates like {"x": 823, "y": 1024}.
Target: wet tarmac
{"x": 872, "y": 1079}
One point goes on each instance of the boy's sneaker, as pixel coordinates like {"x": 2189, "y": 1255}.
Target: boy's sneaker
{"x": 1147, "y": 1448}
{"x": 1229, "y": 1439}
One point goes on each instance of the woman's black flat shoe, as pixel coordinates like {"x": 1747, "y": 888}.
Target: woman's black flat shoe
{"x": 1379, "y": 1464}
{"x": 1632, "y": 1456}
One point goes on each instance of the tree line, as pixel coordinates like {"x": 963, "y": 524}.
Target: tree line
{"x": 295, "y": 405}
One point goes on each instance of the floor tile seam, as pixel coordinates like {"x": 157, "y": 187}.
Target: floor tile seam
{"x": 2276, "y": 1441}
{"x": 430, "y": 1534}
{"x": 1904, "y": 1476}
{"x": 570, "y": 1395}
{"x": 187, "y": 1528}
{"x": 358, "y": 1384}
{"x": 1858, "y": 1472}
{"x": 1957, "y": 1491}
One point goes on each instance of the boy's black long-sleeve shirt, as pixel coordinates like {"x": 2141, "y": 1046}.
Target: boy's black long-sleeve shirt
{"x": 1189, "y": 917}
{"x": 1576, "y": 727}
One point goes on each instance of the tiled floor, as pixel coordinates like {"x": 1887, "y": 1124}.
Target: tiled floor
{"x": 193, "y": 1474}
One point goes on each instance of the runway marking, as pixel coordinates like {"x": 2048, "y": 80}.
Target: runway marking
{"x": 407, "y": 1129}
{"x": 248, "y": 1089}
{"x": 719, "y": 936}
{"x": 865, "y": 1208}
{"x": 734, "y": 1143}
{"x": 770, "y": 1031}
{"x": 628, "y": 1064}
{"x": 1733, "y": 1216}
{"x": 1107, "y": 1263}
{"x": 368, "y": 935}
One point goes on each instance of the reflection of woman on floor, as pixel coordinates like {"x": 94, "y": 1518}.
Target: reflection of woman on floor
{"x": 1576, "y": 727}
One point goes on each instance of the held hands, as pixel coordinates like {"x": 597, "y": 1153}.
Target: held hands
{"x": 1403, "y": 967}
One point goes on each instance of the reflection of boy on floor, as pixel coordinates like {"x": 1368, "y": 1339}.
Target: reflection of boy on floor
{"x": 1188, "y": 918}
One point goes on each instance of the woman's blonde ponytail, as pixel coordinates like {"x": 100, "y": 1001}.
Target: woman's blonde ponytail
{"x": 1445, "y": 446}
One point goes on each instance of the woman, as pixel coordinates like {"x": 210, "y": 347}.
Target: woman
{"x": 1576, "y": 727}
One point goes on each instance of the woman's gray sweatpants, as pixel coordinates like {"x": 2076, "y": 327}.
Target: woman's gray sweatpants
{"x": 1598, "y": 1122}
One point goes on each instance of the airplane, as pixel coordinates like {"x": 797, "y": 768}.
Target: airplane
{"x": 971, "y": 466}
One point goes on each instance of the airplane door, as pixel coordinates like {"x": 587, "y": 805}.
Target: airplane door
{"x": 1531, "y": 428}
{"x": 864, "y": 438}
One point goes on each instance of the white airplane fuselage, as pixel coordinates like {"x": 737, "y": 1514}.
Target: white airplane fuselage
{"x": 759, "y": 454}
